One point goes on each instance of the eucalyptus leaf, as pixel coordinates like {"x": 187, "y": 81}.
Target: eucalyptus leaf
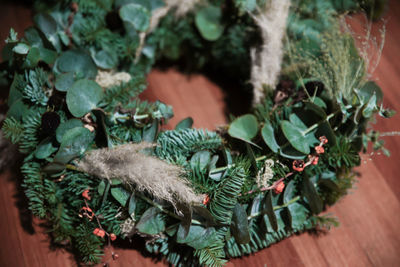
{"x": 184, "y": 124}
{"x": 136, "y": 15}
{"x": 73, "y": 144}
{"x": 32, "y": 58}
{"x": 239, "y": 225}
{"x": 369, "y": 89}
{"x": 267, "y": 133}
{"x": 64, "y": 81}
{"x": 48, "y": 26}
{"x": 289, "y": 193}
{"x": 369, "y": 107}
{"x": 54, "y": 168}
{"x": 120, "y": 195}
{"x": 329, "y": 184}
{"x": 296, "y": 137}
{"x": 65, "y": 126}
{"x": 78, "y": 62}
{"x": 150, "y": 132}
{"x": 152, "y": 222}
{"x": 290, "y": 153}
{"x": 104, "y": 59}
{"x": 101, "y": 187}
{"x": 208, "y": 22}
{"x": 186, "y": 220}
{"x": 310, "y": 193}
{"x": 269, "y": 210}
{"x": 206, "y": 214}
{"x": 298, "y": 214}
{"x": 45, "y": 148}
{"x": 200, "y": 160}
{"x": 198, "y": 237}
{"x": 244, "y": 128}
{"x": 83, "y": 96}
{"x": 21, "y": 49}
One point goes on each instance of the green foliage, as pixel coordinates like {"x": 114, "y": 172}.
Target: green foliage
{"x": 177, "y": 145}
{"x": 87, "y": 244}
{"x": 245, "y": 128}
{"x": 343, "y": 154}
{"x": 13, "y": 129}
{"x": 31, "y": 123}
{"x": 239, "y": 218}
{"x": 83, "y": 96}
{"x": 123, "y": 93}
{"x": 36, "y": 87}
{"x": 225, "y": 196}
{"x": 34, "y": 188}
{"x": 208, "y": 22}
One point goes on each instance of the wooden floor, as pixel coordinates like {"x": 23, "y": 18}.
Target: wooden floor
{"x": 369, "y": 234}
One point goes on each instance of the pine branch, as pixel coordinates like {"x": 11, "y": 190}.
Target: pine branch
{"x": 225, "y": 197}
{"x": 123, "y": 93}
{"x": 13, "y": 130}
{"x": 36, "y": 86}
{"x": 33, "y": 182}
{"x": 178, "y": 144}
{"x": 31, "y": 123}
{"x": 212, "y": 256}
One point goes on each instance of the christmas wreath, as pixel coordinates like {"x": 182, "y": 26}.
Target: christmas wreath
{"x": 99, "y": 168}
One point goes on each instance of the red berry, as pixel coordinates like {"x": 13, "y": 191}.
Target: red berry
{"x": 298, "y": 165}
{"x": 206, "y": 200}
{"x": 323, "y": 139}
{"x": 319, "y": 149}
{"x": 315, "y": 160}
{"x": 85, "y": 194}
{"x": 99, "y": 232}
{"x": 113, "y": 236}
{"x": 279, "y": 187}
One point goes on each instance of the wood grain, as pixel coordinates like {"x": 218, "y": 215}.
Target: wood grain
{"x": 369, "y": 234}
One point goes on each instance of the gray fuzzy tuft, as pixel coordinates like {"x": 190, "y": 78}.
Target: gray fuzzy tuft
{"x": 146, "y": 173}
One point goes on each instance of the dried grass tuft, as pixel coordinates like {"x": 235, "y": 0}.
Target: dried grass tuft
{"x": 145, "y": 173}
{"x": 182, "y": 6}
{"x": 342, "y": 67}
{"x": 107, "y": 79}
{"x": 267, "y": 59}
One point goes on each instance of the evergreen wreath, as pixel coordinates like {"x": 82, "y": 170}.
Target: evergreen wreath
{"x": 98, "y": 168}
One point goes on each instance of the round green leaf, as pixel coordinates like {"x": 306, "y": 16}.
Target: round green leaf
{"x": 184, "y": 124}
{"x": 121, "y": 195}
{"x": 78, "y": 62}
{"x": 267, "y": 133}
{"x": 244, "y": 127}
{"x": 64, "y": 81}
{"x": 104, "y": 59}
{"x": 295, "y": 137}
{"x": 45, "y": 149}
{"x": 369, "y": 89}
{"x": 239, "y": 225}
{"x": 74, "y": 143}
{"x": 83, "y": 96}
{"x": 137, "y": 15}
{"x": 198, "y": 237}
{"x": 208, "y": 22}
{"x": 21, "y": 49}
{"x": 32, "y": 58}
{"x": 200, "y": 159}
{"x": 152, "y": 222}
{"x": 65, "y": 126}
{"x": 48, "y": 25}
